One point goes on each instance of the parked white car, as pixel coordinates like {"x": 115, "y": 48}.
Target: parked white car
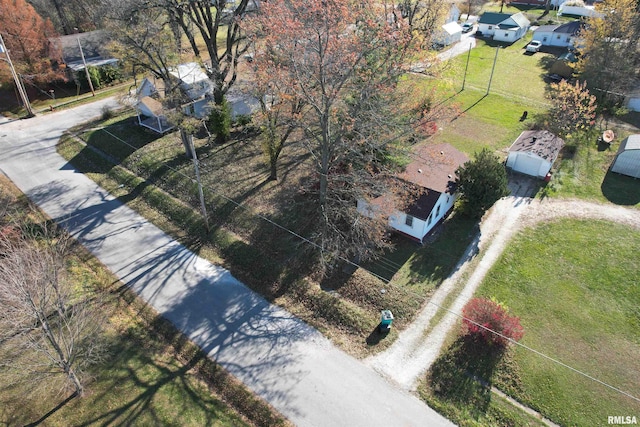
{"x": 534, "y": 46}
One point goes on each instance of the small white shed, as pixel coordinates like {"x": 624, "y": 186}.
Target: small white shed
{"x": 627, "y": 161}
{"x": 449, "y": 33}
{"x": 534, "y": 152}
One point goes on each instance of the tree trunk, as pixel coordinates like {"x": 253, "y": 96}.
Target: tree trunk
{"x": 63, "y": 19}
{"x": 184, "y": 137}
{"x": 273, "y": 176}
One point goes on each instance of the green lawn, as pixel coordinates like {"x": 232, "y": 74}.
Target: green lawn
{"x": 582, "y": 171}
{"x": 574, "y": 286}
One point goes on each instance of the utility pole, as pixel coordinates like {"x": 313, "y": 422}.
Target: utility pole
{"x": 21, "y": 89}
{"x": 466, "y": 67}
{"x": 493, "y": 68}
{"x": 188, "y": 139}
{"x": 86, "y": 70}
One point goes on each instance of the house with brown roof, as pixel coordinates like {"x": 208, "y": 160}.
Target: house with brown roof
{"x": 534, "y": 152}
{"x": 433, "y": 171}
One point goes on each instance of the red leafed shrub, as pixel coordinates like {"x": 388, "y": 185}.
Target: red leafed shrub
{"x": 491, "y": 315}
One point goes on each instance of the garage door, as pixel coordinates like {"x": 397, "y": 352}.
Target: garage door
{"x": 527, "y": 165}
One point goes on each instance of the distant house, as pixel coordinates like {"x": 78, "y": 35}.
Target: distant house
{"x": 94, "y": 48}
{"x": 503, "y": 27}
{"x": 196, "y": 89}
{"x": 573, "y": 9}
{"x": 627, "y": 161}
{"x": 534, "y": 152}
{"x": 434, "y": 172}
{"x": 558, "y": 35}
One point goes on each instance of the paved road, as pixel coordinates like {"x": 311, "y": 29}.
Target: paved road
{"x": 282, "y": 359}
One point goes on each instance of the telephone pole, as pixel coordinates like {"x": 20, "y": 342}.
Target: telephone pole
{"x": 21, "y": 89}
{"x": 86, "y": 69}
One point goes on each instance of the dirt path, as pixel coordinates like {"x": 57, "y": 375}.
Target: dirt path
{"x": 415, "y": 350}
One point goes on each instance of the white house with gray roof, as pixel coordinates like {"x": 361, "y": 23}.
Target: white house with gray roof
{"x": 503, "y": 27}
{"x": 558, "y": 35}
{"x": 534, "y": 152}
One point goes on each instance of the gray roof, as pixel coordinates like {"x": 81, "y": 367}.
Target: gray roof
{"x": 572, "y": 28}
{"x": 542, "y": 143}
{"x": 546, "y": 28}
{"x": 493, "y": 18}
{"x": 632, "y": 142}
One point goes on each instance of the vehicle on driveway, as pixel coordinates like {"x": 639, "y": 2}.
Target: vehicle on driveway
{"x": 534, "y": 46}
{"x": 466, "y": 27}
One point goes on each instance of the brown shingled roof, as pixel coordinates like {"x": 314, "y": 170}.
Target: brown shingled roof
{"x": 434, "y": 166}
{"x": 542, "y": 143}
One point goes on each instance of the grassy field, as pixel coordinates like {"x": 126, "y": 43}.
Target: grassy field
{"x": 573, "y": 284}
{"x": 582, "y": 171}
{"x": 150, "y": 376}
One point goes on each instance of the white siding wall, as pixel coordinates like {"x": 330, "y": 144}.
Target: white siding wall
{"x": 419, "y": 228}
{"x": 528, "y": 164}
{"x": 487, "y": 30}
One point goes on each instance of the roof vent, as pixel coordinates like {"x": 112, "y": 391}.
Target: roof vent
{"x": 449, "y": 176}
{"x": 442, "y": 152}
{"x": 419, "y": 170}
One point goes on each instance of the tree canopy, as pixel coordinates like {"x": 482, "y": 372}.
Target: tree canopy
{"x": 337, "y": 66}
{"x": 608, "y": 50}
{"x": 27, "y": 36}
{"x": 481, "y": 182}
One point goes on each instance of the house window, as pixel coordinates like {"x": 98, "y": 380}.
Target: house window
{"x": 491, "y": 27}
{"x": 429, "y": 219}
{"x": 558, "y": 36}
{"x": 506, "y": 35}
{"x": 409, "y": 220}
{"x": 438, "y": 210}
{"x": 544, "y": 39}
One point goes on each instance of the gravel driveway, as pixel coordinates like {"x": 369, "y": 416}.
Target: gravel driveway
{"x": 417, "y": 347}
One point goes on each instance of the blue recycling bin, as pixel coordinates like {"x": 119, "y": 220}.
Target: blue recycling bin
{"x": 386, "y": 320}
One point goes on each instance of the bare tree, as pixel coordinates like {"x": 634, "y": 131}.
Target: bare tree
{"x": 219, "y": 24}
{"x": 143, "y": 38}
{"x": 47, "y": 326}
{"x": 342, "y": 61}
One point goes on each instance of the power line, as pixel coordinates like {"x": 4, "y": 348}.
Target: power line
{"x": 383, "y": 279}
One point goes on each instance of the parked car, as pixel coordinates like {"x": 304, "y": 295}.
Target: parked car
{"x": 534, "y": 46}
{"x": 466, "y": 27}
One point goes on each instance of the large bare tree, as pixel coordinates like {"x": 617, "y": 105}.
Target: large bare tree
{"x": 342, "y": 61}
{"x": 48, "y": 327}
{"x": 219, "y": 24}
{"x": 143, "y": 38}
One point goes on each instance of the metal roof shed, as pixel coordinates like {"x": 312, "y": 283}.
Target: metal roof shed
{"x": 534, "y": 152}
{"x": 627, "y": 161}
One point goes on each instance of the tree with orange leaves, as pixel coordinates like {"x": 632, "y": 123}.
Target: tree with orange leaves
{"x": 27, "y": 37}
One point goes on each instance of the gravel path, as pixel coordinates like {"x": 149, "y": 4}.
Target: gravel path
{"x": 415, "y": 350}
